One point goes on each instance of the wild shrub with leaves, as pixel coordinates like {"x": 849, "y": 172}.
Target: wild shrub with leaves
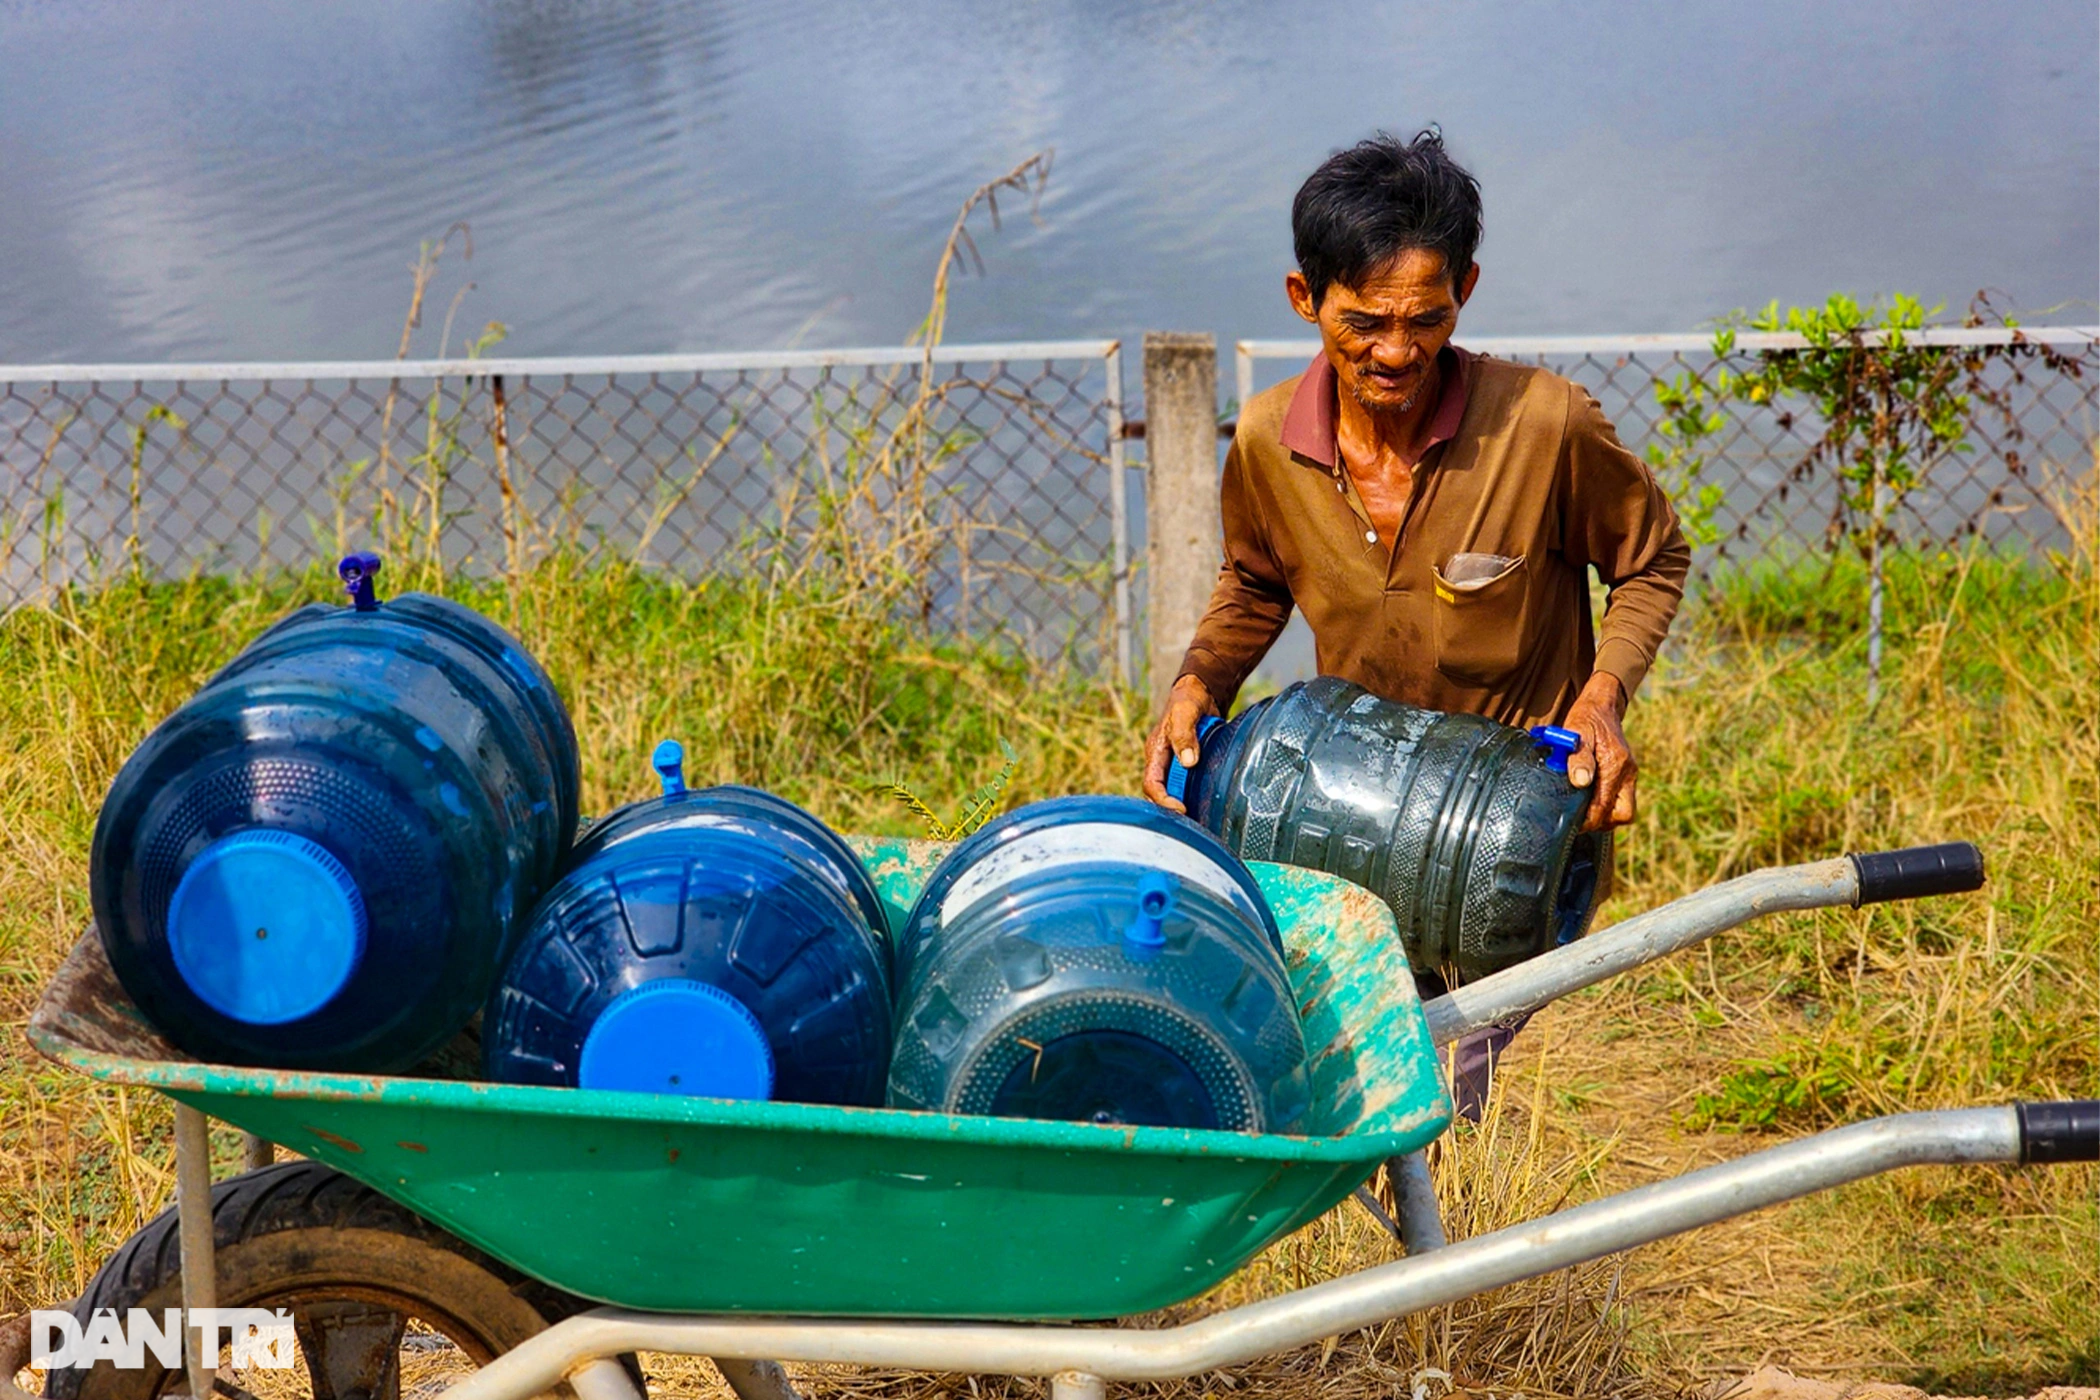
{"x": 1887, "y": 406}
{"x": 1884, "y": 405}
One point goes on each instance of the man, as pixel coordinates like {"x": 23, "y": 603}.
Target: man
{"x": 1435, "y": 514}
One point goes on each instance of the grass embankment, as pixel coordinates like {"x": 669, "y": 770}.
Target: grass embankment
{"x": 1757, "y": 748}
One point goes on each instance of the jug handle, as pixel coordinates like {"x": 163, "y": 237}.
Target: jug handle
{"x": 357, "y": 572}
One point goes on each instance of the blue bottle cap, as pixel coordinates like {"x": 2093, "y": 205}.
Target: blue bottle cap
{"x": 266, "y": 926}
{"x": 1177, "y": 783}
{"x": 1557, "y": 744}
{"x": 678, "y": 1036}
{"x": 1146, "y": 935}
{"x": 669, "y": 762}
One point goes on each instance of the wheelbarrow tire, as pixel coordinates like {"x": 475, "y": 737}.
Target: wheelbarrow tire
{"x": 300, "y": 1235}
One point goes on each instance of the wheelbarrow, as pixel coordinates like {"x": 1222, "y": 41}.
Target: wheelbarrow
{"x": 755, "y": 1233}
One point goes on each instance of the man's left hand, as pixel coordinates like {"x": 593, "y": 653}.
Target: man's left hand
{"x": 1605, "y": 758}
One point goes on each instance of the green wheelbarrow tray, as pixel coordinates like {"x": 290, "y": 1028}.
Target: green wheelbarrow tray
{"x": 709, "y": 1205}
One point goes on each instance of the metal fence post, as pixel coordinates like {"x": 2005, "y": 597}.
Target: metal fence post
{"x": 1182, "y": 540}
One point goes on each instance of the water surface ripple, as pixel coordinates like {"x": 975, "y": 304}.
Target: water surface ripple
{"x": 226, "y": 179}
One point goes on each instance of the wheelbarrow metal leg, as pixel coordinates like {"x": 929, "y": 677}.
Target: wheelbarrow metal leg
{"x": 1077, "y": 1385}
{"x": 1421, "y": 1228}
{"x": 200, "y": 1284}
{"x": 256, "y": 1152}
{"x": 605, "y": 1379}
{"x": 756, "y": 1380}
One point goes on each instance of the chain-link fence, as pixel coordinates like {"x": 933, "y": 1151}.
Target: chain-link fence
{"x": 2031, "y": 432}
{"x": 990, "y": 473}
{"x": 996, "y": 474}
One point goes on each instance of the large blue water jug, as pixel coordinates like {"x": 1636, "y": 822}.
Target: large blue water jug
{"x": 1098, "y": 959}
{"x": 321, "y": 860}
{"x": 719, "y": 942}
{"x": 1469, "y": 829}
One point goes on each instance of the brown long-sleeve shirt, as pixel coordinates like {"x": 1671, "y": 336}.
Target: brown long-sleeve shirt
{"x": 1523, "y": 467}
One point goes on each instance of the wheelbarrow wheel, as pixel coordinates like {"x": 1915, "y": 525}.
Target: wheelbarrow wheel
{"x": 371, "y": 1287}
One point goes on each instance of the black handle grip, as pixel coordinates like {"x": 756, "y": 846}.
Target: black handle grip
{"x": 1917, "y": 870}
{"x": 2060, "y": 1132}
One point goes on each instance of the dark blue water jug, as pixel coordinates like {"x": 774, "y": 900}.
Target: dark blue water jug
{"x": 1469, "y": 829}
{"x": 1097, "y": 959}
{"x": 321, "y": 860}
{"x": 719, "y": 942}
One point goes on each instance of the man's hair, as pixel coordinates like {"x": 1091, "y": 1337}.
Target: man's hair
{"x": 1365, "y": 206}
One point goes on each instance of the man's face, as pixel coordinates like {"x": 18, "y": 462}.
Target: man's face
{"x": 1382, "y": 337}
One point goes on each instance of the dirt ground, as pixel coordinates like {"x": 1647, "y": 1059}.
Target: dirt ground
{"x": 1777, "y": 1383}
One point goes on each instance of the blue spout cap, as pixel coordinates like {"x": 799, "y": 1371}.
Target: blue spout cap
{"x": 669, "y": 762}
{"x": 1146, "y": 934}
{"x": 1556, "y": 743}
{"x": 266, "y": 926}
{"x": 1178, "y": 777}
{"x": 678, "y": 1036}
{"x": 357, "y": 572}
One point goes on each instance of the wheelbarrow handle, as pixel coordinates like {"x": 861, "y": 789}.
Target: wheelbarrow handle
{"x": 1915, "y": 871}
{"x": 1088, "y": 1355}
{"x": 1845, "y": 881}
{"x": 2065, "y": 1131}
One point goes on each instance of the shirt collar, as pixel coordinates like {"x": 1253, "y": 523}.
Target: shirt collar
{"x": 1308, "y": 424}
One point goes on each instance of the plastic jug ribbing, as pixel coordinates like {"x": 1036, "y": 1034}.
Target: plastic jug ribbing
{"x": 718, "y": 941}
{"x": 319, "y": 860}
{"x": 1469, "y": 829}
{"x": 1097, "y": 959}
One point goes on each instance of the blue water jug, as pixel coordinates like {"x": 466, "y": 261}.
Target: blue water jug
{"x": 1467, "y": 828}
{"x": 322, "y": 858}
{"x": 1101, "y": 960}
{"x": 719, "y": 942}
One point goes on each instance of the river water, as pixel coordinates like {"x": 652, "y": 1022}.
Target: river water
{"x": 232, "y": 180}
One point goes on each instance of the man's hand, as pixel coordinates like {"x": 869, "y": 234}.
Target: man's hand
{"x": 1604, "y": 758}
{"x": 1175, "y": 735}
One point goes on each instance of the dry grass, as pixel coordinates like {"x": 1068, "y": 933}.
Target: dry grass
{"x": 1757, "y": 749}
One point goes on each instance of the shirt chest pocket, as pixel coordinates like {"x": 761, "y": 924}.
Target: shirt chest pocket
{"x": 1479, "y": 618}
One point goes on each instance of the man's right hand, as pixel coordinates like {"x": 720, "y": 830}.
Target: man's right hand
{"x": 1175, "y": 737}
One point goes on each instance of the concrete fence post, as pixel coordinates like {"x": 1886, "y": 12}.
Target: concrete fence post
{"x": 1182, "y": 540}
